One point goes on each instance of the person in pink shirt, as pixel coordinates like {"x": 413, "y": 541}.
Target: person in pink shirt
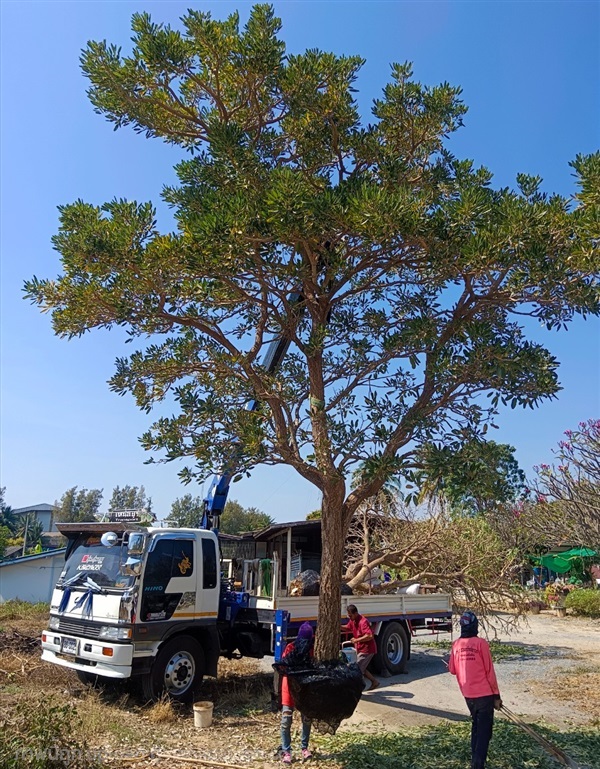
{"x": 471, "y": 663}
{"x": 364, "y": 642}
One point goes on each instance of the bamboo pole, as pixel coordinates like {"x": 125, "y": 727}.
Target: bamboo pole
{"x": 551, "y": 749}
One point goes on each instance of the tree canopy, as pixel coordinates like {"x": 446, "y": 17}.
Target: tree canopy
{"x": 78, "y": 505}
{"x": 397, "y": 271}
{"x": 186, "y": 512}
{"x": 473, "y": 476}
{"x": 130, "y": 498}
{"x": 237, "y": 519}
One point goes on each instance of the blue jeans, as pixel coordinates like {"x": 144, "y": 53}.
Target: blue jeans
{"x": 286, "y": 729}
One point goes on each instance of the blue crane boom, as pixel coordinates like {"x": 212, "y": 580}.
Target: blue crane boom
{"x": 216, "y": 498}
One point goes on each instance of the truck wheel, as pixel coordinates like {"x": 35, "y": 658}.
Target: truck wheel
{"x": 177, "y": 671}
{"x": 392, "y": 649}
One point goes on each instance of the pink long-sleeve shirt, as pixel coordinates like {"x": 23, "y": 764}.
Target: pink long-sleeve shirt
{"x": 471, "y": 663}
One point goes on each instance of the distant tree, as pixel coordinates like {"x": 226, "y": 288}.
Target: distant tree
{"x": 473, "y": 476}
{"x": 130, "y": 498}
{"x": 31, "y": 530}
{"x": 569, "y": 489}
{"x": 236, "y": 519}
{"x": 314, "y": 516}
{"x": 5, "y": 536}
{"x": 7, "y": 517}
{"x": 78, "y": 505}
{"x": 186, "y": 512}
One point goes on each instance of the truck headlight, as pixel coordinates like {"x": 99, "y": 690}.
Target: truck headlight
{"x": 54, "y": 622}
{"x": 113, "y": 633}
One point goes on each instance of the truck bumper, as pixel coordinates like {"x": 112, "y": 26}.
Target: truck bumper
{"x": 96, "y": 657}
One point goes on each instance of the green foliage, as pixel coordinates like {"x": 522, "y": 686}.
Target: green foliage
{"x": 473, "y": 476}
{"x": 500, "y": 650}
{"x": 42, "y": 736}
{"x": 236, "y": 519}
{"x": 5, "y": 535}
{"x": 130, "y": 498}
{"x": 7, "y": 517}
{"x": 448, "y": 745}
{"x": 584, "y": 602}
{"x": 76, "y": 505}
{"x": 314, "y": 516}
{"x": 17, "y": 609}
{"x": 398, "y": 273}
{"x": 186, "y": 512}
{"x": 34, "y": 529}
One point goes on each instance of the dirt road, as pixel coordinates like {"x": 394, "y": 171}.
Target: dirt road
{"x": 428, "y": 693}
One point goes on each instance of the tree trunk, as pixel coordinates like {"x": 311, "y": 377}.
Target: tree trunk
{"x": 333, "y": 534}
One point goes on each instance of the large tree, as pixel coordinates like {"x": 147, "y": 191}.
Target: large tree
{"x": 237, "y": 519}
{"x": 187, "y": 511}
{"x": 471, "y": 476}
{"x": 397, "y": 272}
{"x": 130, "y": 498}
{"x": 77, "y": 505}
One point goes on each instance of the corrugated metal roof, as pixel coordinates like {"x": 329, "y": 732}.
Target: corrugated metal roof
{"x": 47, "y": 554}
{"x": 41, "y": 508}
{"x": 277, "y": 528}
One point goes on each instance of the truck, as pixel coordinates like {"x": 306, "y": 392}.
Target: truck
{"x": 161, "y": 605}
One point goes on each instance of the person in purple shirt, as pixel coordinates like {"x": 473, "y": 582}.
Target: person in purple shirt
{"x": 363, "y": 641}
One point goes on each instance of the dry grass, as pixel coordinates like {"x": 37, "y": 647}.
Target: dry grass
{"x": 163, "y": 712}
{"x": 580, "y": 685}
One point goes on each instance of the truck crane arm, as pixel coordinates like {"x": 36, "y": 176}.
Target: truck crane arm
{"x": 216, "y": 498}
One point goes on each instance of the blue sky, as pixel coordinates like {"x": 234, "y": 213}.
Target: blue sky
{"x": 531, "y": 77}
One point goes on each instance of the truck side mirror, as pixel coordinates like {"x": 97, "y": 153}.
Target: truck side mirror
{"x": 133, "y": 567}
{"x": 109, "y": 539}
{"x": 136, "y": 543}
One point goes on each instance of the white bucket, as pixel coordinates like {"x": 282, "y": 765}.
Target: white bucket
{"x": 203, "y": 713}
{"x": 350, "y": 654}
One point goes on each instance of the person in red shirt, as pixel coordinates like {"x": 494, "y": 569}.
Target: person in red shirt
{"x": 306, "y": 637}
{"x": 471, "y": 663}
{"x": 363, "y": 641}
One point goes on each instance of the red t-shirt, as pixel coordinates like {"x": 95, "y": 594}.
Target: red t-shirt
{"x": 471, "y": 663}
{"x": 359, "y": 628}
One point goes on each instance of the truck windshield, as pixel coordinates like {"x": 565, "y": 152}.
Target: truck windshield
{"x": 89, "y": 558}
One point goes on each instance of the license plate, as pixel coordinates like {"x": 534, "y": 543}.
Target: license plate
{"x": 68, "y": 646}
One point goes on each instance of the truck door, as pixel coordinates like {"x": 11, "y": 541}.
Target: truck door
{"x": 207, "y": 597}
{"x": 169, "y": 588}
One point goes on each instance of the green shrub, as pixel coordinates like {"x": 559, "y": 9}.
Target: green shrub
{"x": 17, "y": 609}
{"x": 584, "y": 602}
{"x": 41, "y": 735}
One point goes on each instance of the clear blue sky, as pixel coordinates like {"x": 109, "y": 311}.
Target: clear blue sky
{"x": 531, "y": 77}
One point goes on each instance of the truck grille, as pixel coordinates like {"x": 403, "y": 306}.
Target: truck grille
{"x": 75, "y": 627}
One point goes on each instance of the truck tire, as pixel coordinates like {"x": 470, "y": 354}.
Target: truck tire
{"x": 177, "y": 671}
{"x": 392, "y": 649}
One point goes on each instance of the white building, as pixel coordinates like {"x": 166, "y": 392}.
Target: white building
{"x": 31, "y": 578}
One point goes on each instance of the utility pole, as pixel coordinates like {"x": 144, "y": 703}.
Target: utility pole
{"x": 25, "y": 535}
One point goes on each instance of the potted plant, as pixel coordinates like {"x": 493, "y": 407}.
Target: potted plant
{"x": 535, "y": 606}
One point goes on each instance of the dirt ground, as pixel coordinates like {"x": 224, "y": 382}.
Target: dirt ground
{"x": 554, "y": 676}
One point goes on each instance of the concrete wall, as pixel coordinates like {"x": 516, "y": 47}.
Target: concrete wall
{"x": 31, "y": 578}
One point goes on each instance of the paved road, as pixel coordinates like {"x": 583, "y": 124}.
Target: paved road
{"x": 428, "y": 693}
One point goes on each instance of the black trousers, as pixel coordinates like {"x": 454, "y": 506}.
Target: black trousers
{"x": 482, "y": 722}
